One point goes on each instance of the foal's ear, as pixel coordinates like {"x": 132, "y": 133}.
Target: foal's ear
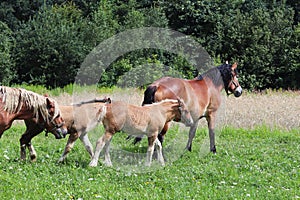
{"x": 180, "y": 102}
{"x": 234, "y": 66}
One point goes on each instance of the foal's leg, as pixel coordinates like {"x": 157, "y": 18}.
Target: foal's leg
{"x": 192, "y": 135}
{"x": 159, "y": 152}
{"x": 87, "y": 144}
{"x": 151, "y": 140}
{"x": 107, "y": 156}
{"x": 99, "y": 146}
{"x": 70, "y": 144}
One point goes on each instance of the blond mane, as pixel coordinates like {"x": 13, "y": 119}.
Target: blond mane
{"x": 14, "y": 98}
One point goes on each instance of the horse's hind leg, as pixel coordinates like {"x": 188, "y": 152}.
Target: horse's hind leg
{"x": 70, "y": 144}
{"x": 99, "y": 146}
{"x": 192, "y": 135}
{"x": 87, "y": 144}
{"x": 107, "y": 156}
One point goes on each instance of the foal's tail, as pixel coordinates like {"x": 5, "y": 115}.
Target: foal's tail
{"x": 149, "y": 94}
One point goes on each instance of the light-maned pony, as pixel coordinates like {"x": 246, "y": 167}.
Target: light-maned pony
{"x": 136, "y": 120}
{"x": 21, "y": 104}
{"x": 202, "y": 96}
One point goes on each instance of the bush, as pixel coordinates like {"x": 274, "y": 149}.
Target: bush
{"x": 6, "y": 62}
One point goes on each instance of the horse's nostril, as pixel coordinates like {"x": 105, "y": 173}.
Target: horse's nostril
{"x": 237, "y": 94}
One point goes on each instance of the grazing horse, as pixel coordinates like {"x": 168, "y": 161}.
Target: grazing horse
{"x": 135, "y": 120}
{"x": 17, "y": 104}
{"x": 79, "y": 119}
{"x": 202, "y": 96}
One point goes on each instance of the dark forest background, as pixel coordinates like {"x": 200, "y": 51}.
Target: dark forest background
{"x": 40, "y": 40}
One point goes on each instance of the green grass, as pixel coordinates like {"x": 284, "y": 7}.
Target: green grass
{"x": 250, "y": 164}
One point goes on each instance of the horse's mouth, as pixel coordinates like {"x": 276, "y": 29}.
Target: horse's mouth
{"x": 238, "y": 92}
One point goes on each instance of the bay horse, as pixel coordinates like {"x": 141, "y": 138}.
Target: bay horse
{"x": 79, "y": 119}
{"x": 202, "y": 96}
{"x": 21, "y": 104}
{"x": 136, "y": 120}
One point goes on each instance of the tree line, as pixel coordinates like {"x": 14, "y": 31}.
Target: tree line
{"x": 44, "y": 42}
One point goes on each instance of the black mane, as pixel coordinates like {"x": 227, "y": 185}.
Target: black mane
{"x": 225, "y": 71}
{"x": 216, "y": 73}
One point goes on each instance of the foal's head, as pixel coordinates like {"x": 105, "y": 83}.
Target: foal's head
{"x": 55, "y": 123}
{"x": 184, "y": 114}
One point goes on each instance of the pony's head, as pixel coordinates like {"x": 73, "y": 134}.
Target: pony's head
{"x": 55, "y": 123}
{"x": 185, "y": 115}
{"x": 230, "y": 78}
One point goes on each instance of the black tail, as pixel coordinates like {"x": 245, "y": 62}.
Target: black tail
{"x": 149, "y": 95}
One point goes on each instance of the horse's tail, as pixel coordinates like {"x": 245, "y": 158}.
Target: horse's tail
{"x": 149, "y": 94}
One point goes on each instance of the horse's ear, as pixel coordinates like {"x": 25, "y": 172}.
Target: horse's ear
{"x": 50, "y": 104}
{"x": 46, "y": 95}
{"x": 180, "y": 102}
{"x": 234, "y": 66}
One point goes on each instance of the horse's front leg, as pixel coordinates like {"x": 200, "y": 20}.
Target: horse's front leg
{"x": 99, "y": 146}
{"x": 32, "y": 152}
{"x": 211, "y": 125}
{"x": 151, "y": 140}
{"x": 192, "y": 133}
{"x": 70, "y": 144}
{"x": 159, "y": 152}
{"x": 32, "y": 129}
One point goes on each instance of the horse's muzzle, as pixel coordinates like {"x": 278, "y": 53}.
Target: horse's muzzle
{"x": 61, "y": 133}
{"x": 238, "y": 91}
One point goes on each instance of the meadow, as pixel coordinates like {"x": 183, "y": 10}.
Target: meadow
{"x": 258, "y": 157}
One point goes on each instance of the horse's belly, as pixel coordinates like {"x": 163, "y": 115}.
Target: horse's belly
{"x": 135, "y": 130}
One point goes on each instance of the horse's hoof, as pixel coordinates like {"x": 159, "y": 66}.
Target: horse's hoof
{"x": 189, "y": 148}
{"x": 93, "y": 164}
{"x": 33, "y": 158}
{"x": 214, "y": 150}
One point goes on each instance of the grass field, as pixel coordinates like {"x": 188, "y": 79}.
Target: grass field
{"x": 255, "y": 160}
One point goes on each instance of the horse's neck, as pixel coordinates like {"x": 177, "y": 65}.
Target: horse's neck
{"x": 217, "y": 84}
{"x": 25, "y": 113}
{"x": 169, "y": 112}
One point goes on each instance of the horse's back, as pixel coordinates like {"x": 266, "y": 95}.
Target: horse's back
{"x": 194, "y": 92}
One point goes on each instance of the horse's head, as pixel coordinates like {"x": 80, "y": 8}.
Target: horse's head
{"x": 185, "y": 114}
{"x": 234, "y": 85}
{"x": 55, "y": 123}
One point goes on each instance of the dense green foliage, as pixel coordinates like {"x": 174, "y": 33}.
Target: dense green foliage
{"x": 250, "y": 164}
{"x": 45, "y": 42}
